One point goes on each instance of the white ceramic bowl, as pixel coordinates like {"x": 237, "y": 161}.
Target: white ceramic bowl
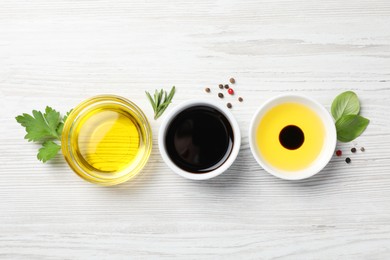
{"x": 329, "y": 143}
{"x": 191, "y": 103}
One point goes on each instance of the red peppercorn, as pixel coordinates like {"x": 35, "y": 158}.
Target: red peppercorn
{"x": 230, "y": 91}
{"x": 339, "y": 152}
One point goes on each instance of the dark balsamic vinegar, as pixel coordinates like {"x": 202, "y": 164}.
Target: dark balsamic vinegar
{"x": 199, "y": 139}
{"x": 291, "y": 137}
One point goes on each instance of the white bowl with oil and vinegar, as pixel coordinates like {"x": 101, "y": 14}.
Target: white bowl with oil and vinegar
{"x": 292, "y": 137}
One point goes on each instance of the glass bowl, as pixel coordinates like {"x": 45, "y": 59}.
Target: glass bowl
{"x": 106, "y": 140}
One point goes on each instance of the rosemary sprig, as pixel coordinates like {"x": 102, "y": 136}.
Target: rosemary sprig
{"x": 160, "y": 101}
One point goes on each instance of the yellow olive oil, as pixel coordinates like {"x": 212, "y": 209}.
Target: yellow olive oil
{"x": 107, "y": 140}
{"x": 290, "y": 136}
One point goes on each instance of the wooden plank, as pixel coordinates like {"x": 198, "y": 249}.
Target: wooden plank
{"x": 60, "y": 52}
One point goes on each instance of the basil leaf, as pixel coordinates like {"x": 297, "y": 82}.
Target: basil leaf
{"x": 346, "y": 103}
{"x": 350, "y": 127}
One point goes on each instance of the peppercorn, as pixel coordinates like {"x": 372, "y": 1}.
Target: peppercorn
{"x": 240, "y": 99}
{"x": 220, "y": 95}
{"x": 353, "y": 150}
{"x": 232, "y": 80}
{"x": 229, "y": 105}
{"x": 226, "y": 86}
{"x": 362, "y": 149}
{"x": 207, "y": 90}
{"x": 339, "y": 152}
{"x": 348, "y": 160}
{"x": 231, "y": 91}
{"x": 220, "y": 86}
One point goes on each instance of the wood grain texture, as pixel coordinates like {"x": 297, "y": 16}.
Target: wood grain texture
{"x": 57, "y": 52}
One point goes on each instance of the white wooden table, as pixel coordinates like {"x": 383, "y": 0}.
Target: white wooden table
{"x": 57, "y": 53}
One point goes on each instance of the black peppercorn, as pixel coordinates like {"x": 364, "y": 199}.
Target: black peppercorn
{"x": 220, "y": 86}
{"x": 229, "y": 105}
{"x": 226, "y": 86}
{"x": 220, "y": 95}
{"x": 353, "y": 150}
{"x": 348, "y": 160}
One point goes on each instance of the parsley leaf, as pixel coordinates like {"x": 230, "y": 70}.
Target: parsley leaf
{"x": 45, "y": 128}
{"x": 48, "y": 151}
{"x": 61, "y": 124}
{"x": 40, "y": 127}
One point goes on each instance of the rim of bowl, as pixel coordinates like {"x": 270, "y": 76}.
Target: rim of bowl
{"x": 78, "y": 112}
{"x": 191, "y": 103}
{"x": 329, "y": 142}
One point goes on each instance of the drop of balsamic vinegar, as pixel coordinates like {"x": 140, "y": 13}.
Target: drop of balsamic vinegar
{"x": 291, "y": 137}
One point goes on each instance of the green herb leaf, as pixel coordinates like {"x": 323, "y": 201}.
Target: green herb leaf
{"x": 48, "y": 151}
{"x": 350, "y": 127}
{"x": 151, "y": 100}
{"x": 161, "y": 101}
{"x": 66, "y": 115}
{"x": 40, "y": 127}
{"x": 346, "y": 103}
{"x": 171, "y": 93}
{"x": 44, "y": 127}
{"x": 61, "y": 125}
